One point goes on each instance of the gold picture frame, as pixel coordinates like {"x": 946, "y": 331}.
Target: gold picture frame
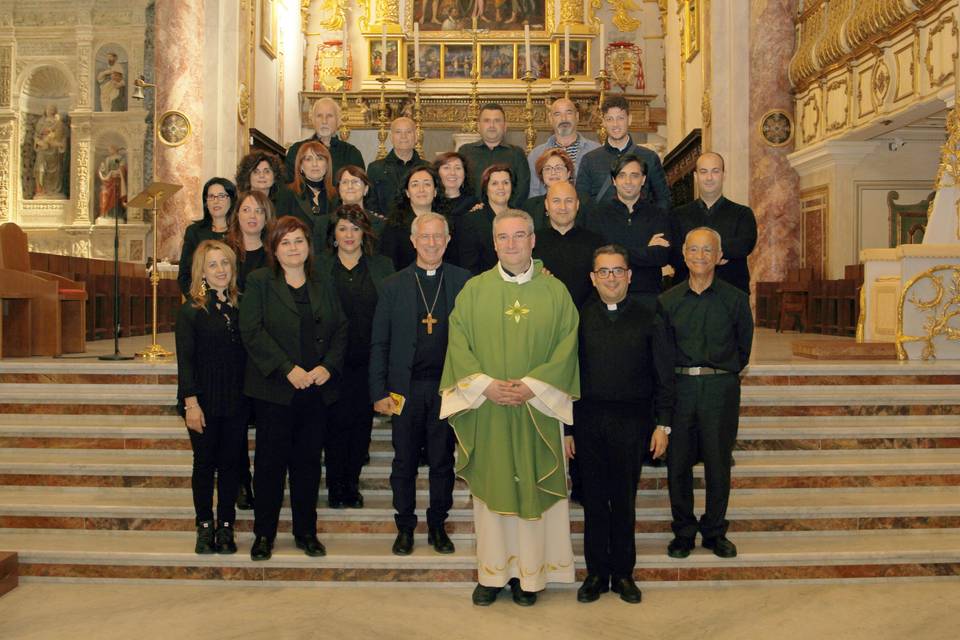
{"x": 691, "y": 29}
{"x": 268, "y": 27}
{"x": 174, "y": 128}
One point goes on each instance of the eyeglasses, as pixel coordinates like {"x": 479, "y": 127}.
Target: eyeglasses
{"x": 558, "y": 168}
{"x": 617, "y": 272}
{"x": 351, "y": 183}
{"x": 519, "y": 236}
{"x": 217, "y": 196}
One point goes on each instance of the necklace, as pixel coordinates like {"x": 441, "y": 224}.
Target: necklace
{"x": 429, "y": 320}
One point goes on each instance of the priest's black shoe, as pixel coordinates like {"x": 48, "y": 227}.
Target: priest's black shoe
{"x": 592, "y": 587}
{"x": 310, "y": 545}
{"x": 262, "y": 548}
{"x": 403, "y": 545}
{"x": 521, "y": 597}
{"x": 223, "y": 539}
{"x": 245, "y": 497}
{"x": 627, "y": 588}
{"x": 721, "y": 547}
{"x": 437, "y": 538}
{"x": 485, "y": 596}
{"x": 680, "y": 547}
{"x": 353, "y": 500}
{"x": 205, "y": 543}
{"x": 335, "y": 497}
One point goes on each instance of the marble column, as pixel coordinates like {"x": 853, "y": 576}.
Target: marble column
{"x": 179, "y": 65}
{"x": 775, "y": 186}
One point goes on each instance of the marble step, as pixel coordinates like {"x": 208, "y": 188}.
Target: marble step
{"x": 754, "y": 469}
{"x": 151, "y": 555}
{"x": 750, "y": 510}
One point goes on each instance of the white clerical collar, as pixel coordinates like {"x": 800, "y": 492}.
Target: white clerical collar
{"x": 520, "y": 278}
{"x": 611, "y": 306}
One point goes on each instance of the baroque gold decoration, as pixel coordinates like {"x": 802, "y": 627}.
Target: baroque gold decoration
{"x": 243, "y": 103}
{"x": 881, "y": 82}
{"x": 950, "y": 160}
{"x": 268, "y": 27}
{"x": 840, "y": 83}
{"x": 776, "y": 128}
{"x": 571, "y": 12}
{"x": 622, "y": 17}
{"x": 706, "y": 111}
{"x": 335, "y": 12}
{"x": 4, "y": 180}
{"x": 83, "y": 183}
{"x": 810, "y": 109}
{"x": 622, "y": 61}
{"x": 691, "y": 29}
{"x": 173, "y": 128}
{"x": 947, "y": 73}
{"x": 6, "y": 54}
{"x": 938, "y": 301}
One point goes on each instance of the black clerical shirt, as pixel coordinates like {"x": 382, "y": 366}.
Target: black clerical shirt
{"x": 711, "y": 329}
{"x": 431, "y": 345}
{"x": 569, "y": 257}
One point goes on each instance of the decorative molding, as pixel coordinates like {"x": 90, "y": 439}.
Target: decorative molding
{"x": 82, "y": 210}
{"x": 810, "y": 110}
{"x": 335, "y": 12}
{"x": 830, "y": 154}
{"x": 83, "y": 76}
{"x": 880, "y": 84}
{"x": 940, "y": 309}
{"x": 622, "y": 17}
{"x": 946, "y": 74}
{"x": 844, "y": 84}
{"x": 4, "y": 180}
{"x": 6, "y": 58}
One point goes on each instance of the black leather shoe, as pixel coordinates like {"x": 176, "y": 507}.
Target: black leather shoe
{"x": 592, "y": 587}
{"x": 335, "y": 497}
{"x": 353, "y": 501}
{"x": 223, "y": 538}
{"x": 485, "y": 596}
{"x": 521, "y": 597}
{"x": 310, "y": 545}
{"x": 437, "y": 538}
{"x": 205, "y": 543}
{"x": 262, "y": 548}
{"x": 245, "y": 497}
{"x": 680, "y": 547}
{"x": 403, "y": 545}
{"x": 628, "y": 590}
{"x": 721, "y": 547}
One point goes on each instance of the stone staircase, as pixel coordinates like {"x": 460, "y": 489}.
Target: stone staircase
{"x": 843, "y": 471}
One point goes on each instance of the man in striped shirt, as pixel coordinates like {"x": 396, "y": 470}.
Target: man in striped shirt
{"x": 564, "y": 118}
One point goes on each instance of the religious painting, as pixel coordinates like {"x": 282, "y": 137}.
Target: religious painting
{"x": 578, "y": 58}
{"x": 268, "y": 27}
{"x": 495, "y": 15}
{"x": 457, "y": 61}
{"x": 390, "y": 66}
{"x": 429, "y": 61}
{"x": 110, "y": 80}
{"x": 110, "y": 183}
{"x": 496, "y": 61}
{"x": 539, "y": 60}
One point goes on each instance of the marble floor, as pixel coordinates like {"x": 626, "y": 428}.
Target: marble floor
{"x": 891, "y": 610}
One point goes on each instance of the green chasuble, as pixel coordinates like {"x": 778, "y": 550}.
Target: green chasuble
{"x": 512, "y": 457}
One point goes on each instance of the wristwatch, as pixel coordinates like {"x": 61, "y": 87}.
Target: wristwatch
{"x": 666, "y": 430}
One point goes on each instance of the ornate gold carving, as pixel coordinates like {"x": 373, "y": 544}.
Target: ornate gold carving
{"x": 881, "y": 82}
{"x": 940, "y": 308}
{"x": 946, "y": 74}
{"x": 83, "y": 76}
{"x": 839, "y": 83}
{"x": 388, "y": 11}
{"x": 706, "y": 110}
{"x": 4, "y": 180}
{"x": 571, "y": 12}
{"x": 335, "y": 11}
{"x": 243, "y": 103}
{"x": 803, "y": 65}
{"x": 622, "y": 17}
{"x": 83, "y": 183}
{"x": 304, "y": 15}
{"x": 6, "y": 55}
{"x": 876, "y": 17}
{"x": 833, "y": 45}
{"x": 810, "y": 109}
{"x": 862, "y": 316}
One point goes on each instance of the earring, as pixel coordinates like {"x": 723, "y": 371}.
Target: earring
{"x": 203, "y": 287}
{"x": 336, "y": 244}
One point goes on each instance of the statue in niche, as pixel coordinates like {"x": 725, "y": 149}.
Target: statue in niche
{"x": 111, "y": 83}
{"x": 50, "y": 146}
{"x": 113, "y": 185}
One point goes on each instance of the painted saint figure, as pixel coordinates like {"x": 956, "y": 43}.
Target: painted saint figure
{"x": 50, "y": 145}
{"x": 113, "y": 184}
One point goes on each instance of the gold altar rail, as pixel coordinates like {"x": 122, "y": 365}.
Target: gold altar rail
{"x": 831, "y": 34}
{"x": 449, "y": 111}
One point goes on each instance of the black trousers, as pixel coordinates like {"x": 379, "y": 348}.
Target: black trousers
{"x": 289, "y": 440}
{"x": 420, "y": 427}
{"x": 218, "y": 451}
{"x": 609, "y": 442}
{"x": 705, "y": 422}
{"x": 348, "y": 435}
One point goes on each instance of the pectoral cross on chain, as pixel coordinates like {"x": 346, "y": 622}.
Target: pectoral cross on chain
{"x": 429, "y": 321}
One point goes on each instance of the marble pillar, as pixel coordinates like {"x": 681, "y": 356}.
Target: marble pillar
{"x": 179, "y": 78}
{"x": 775, "y": 186}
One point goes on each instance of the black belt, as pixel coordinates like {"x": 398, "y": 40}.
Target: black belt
{"x": 698, "y": 371}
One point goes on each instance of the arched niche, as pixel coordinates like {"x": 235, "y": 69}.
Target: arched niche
{"x": 110, "y": 178}
{"x": 45, "y": 101}
{"x": 111, "y": 78}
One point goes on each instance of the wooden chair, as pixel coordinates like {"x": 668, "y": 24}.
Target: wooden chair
{"x": 57, "y": 313}
{"x": 818, "y": 306}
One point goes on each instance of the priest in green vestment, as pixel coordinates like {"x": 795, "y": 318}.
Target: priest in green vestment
{"x": 509, "y": 381}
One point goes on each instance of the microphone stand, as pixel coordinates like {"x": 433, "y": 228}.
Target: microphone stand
{"x": 116, "y": 355}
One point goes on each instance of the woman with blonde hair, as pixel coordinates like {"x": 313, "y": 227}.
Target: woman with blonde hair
{"x": 210, "y": 365}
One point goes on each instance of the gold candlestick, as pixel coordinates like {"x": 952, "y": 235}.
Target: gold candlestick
{"x": 473, "y": 110}
{"x": 344, "y": 131}
{"x": 602, "y": 78}
{"x": 417, "y": 80}
{"x": 566, "y": 79}
{"x": 529, "y": 78}
{"x": 382, "y": 117}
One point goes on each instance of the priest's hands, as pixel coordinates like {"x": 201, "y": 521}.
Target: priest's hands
{"x": 569, "y": 448}
{"x": 385, "y": 406}
{"x": 508, "y": 393}
{"x": 658, "y": 443}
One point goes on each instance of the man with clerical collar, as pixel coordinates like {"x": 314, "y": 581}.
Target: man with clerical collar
{"x": 638, "y": 226}
{"x": 509, "y": 382}
{"x": 707, "y": 333}
{"x": 625, "y": 388}
{"x": 407, "y": 350}
{"x": 734, "y": 222}
{"x": 566, "y": 248}
{"x": 491, "y": 149}
{"x": 385, "y": 174}
{"x": 564, "y": 117}
{"x": 593, "y": 176}
{"x": 326, "y": 119}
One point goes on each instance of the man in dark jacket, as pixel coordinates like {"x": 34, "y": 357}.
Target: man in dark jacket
{"x": 386, "y": 174}
{"x": 407, "y": 351}
{"x": 326, "y": 119}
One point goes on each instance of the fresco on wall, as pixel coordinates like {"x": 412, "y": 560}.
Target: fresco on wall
{"x": 111, "y": 77}
{"x": 110, "y": 182}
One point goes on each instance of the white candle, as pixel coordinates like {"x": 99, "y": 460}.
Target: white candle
{"x": 474, "y": 23}
{"x": 416, "y": 48}
{"x": 383, "y": 48}
{"x": 566, "y": 49}
{"x": 526, "y": 44}
{"x": 603, "y": 45}
{"x": 586, "y": 10}
{"x": 403, "y": 14}
{"x": 343, "y": 49}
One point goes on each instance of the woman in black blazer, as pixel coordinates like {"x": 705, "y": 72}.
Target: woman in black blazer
{"x": 210, "y": 362}
{"x": 357, "y": 273}
{"x": 477, "y": 253}
{"x": 219, "y": 202}
{"x": 296, "y": 336}
{"x": 456, "y": 198}
{"x": 419, "y": 189}
{"x": 311, "y": 193}
{"x": 262, "y": 171}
